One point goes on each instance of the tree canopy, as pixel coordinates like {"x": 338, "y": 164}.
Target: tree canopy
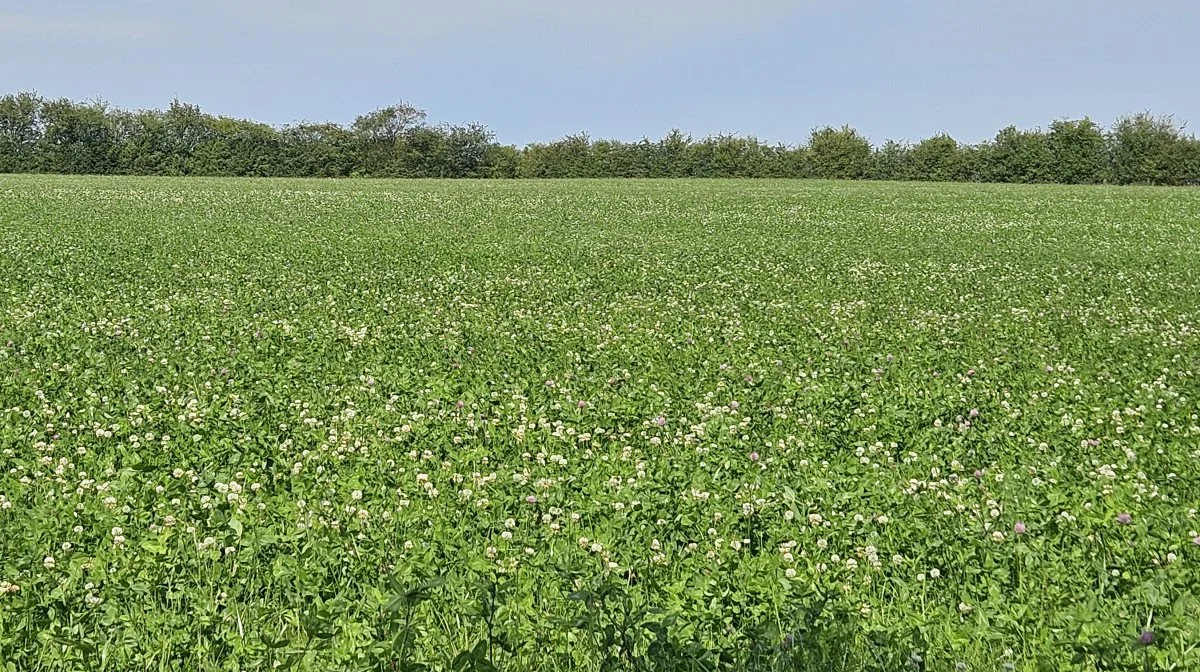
{"x": 64, "y": 136}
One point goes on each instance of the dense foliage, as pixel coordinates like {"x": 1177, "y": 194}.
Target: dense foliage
{"x": 60, "y": 136}
{"x": 771, "y": 425}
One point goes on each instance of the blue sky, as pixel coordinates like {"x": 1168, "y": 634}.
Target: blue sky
{"x": 538, "y": 69}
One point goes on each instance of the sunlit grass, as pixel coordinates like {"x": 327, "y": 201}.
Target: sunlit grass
{"x": 578, "y": 425}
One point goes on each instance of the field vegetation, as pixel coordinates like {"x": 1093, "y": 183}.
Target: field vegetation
{"x": 670, "y": 425}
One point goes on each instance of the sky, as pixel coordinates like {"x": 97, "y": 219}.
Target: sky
{"x": 535, "y": 70}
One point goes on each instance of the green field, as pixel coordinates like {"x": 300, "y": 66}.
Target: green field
{"x": 596, "y": 425}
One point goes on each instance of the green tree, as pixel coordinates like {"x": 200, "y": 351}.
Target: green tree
{"x": 892, "y": 161}
{"x": 143, "y": 146}
{"x": 238, "y": 148}
{"x": 972, "y": 162}
{"x": 423, "y": 152}
{"x": 1017, "y": 156}
{"x": 379, "y": 135}
{"x": 727, "y": 156}
{"x": 674, "y": 155}
{"x": 501, "y": 161}
{"x": 793, "y": 162}
{"x": 186, "y": 127}
{"x": 317, "y": 150}
{"x": 467, "y": 149}
{"x": 620, "y": 159}
{"x": 1145, "y": 149}
{"x": 1077, "y": 151}
{"x": 571, "y": 156}
{"x": 937, "y": 159}
{"x": 1189, "y": 150}
{"x": 394, "y": 141}
{"x": 839, "y": 153}
{"x": 21, "y": 129}
{"x": 78, "y": 138}
{"x": 534, "y": 161}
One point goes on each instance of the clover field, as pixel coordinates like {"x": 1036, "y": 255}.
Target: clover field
{"x": 597, "y": 425}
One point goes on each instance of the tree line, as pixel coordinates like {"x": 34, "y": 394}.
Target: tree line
{"x": 64, "y": 136}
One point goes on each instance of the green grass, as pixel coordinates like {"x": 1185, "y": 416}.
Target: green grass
{"x": 595, "y": 425}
